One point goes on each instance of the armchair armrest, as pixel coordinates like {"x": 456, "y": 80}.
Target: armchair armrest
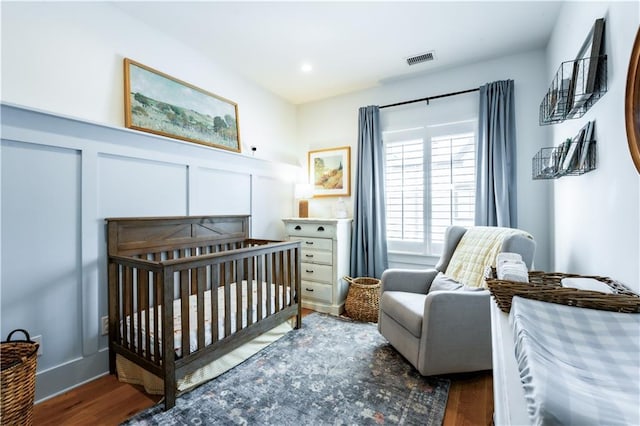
{"x": 409, "y": 280}
{"x": 453, "y": 322}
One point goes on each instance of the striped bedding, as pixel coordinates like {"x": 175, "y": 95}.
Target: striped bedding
{"x": 577, "y": 366}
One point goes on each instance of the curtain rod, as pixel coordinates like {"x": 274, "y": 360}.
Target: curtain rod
{"x": 430, "y": 97}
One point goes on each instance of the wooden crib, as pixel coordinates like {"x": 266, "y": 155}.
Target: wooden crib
{"x": 239, "y": 288}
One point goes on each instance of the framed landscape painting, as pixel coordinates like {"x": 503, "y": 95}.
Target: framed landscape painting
{"x": 329, "y": 172}
{"x": 158, "y": 103}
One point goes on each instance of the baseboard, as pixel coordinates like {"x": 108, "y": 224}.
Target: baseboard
{"x": 60, "y": 379}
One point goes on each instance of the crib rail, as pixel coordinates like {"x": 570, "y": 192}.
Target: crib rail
{"x": 143, "y": 287}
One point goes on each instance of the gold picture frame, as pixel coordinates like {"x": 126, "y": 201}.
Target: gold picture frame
{"x": 632, "y": 103}
{"x": 330, "y": 172}
{"x": 158, "y": 103}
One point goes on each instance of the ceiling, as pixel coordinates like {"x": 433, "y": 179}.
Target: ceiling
{"x": 350, "y": 45}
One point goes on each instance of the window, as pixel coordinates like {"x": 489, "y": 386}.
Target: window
{"x": 429, "y": 184}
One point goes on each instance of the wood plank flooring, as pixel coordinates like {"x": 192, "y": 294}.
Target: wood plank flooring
{"x": 106, "y": 401}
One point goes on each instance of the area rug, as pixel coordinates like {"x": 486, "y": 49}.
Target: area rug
{"x": 332, "y": 371}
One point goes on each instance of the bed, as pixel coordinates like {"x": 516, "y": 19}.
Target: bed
{"x": 558, "y": 364}
{"x": 188, "y": 295}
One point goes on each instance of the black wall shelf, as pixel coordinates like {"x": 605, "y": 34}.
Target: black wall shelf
{"x": 572, "y": 157}
{"x": 576, "y": 86}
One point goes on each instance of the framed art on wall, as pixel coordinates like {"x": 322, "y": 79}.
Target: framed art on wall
{"x": 632, "y": 103}
{"x": 329, "y": 172}
{"x": 158, "y": 103}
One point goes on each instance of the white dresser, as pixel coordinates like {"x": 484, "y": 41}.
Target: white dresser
{"x": 326, "y": 245}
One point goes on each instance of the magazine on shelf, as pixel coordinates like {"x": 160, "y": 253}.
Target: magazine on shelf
{"x": 586, "y": 142}
{"x": 568, "y": 161}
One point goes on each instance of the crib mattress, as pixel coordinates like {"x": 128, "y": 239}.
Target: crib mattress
{"x": 193, "y": 316}
{"x": 130, "y": 372}
{"x": 577, "y": 366}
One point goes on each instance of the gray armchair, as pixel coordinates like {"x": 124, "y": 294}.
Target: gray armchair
{"x": 441, "y": 332}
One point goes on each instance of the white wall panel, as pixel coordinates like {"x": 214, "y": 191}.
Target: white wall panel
{"x": 41, "y": 243}
{"x": 272, "y": 202}
{"x": 139, "y": 187}
{"x": 216, "y": 191}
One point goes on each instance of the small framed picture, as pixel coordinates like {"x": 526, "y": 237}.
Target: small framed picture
{"x": 329, "y": 172}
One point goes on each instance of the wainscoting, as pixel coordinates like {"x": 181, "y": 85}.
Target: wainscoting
{"x": 60, "y": 178}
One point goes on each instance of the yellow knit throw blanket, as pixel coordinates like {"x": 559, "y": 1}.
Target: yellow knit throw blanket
{"x": 476, "y": 250}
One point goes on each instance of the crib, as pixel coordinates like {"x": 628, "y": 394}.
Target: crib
{"x": 185, "y": 291}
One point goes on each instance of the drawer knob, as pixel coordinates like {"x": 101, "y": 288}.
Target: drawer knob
{"x": 320, "y": 228}
{"x": 309, "y": 289}
{"x": 298, "y": 227}
{"x": 309, "y": 242}
{"x": 308, "y": 255}
{"x": 309, "y": 271}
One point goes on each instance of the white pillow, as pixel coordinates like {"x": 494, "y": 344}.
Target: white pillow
{"x": 442, "y": 282}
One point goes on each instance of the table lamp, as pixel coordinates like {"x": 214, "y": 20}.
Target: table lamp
{"x": 303, "y": 192}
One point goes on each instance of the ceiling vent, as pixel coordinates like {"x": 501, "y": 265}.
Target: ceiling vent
{"x": 423, "y": 57}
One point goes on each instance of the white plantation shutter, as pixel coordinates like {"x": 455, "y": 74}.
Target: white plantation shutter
{"x": 452, "y": 184}
{"x": 429, "y": 184}
{"x": 404, "y": 190}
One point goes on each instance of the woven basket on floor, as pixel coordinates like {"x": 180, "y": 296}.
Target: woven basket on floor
{"x": 18, "y": 359}
{"x": 363, "y": 298}
{"x": 547, "y": 287}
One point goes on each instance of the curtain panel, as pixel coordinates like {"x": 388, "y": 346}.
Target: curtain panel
{"x": 369, "y": 239}
{"x": 496, "y": 157}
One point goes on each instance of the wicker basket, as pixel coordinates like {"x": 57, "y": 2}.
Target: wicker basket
{"x": 546, "y": 286}
{"x": 18, "y": 359}
{"x": 363, "y": 298}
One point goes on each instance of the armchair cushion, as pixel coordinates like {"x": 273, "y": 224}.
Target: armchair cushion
{"x": 443, "y": 282}
{"x": 477, "y": 249}
{"x": 405, "y": 308}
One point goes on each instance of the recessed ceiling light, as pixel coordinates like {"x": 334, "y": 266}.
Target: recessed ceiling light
{"x": 306, "y": 67}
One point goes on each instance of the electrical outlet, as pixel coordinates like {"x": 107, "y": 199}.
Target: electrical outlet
{"x": 38, "y": 340}
{"x": 105, "y": 326}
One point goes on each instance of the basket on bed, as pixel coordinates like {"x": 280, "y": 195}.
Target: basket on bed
{"x": 363, "y": 298}
{"x": 547, "y": 287}
{"x": 18, "y": 359}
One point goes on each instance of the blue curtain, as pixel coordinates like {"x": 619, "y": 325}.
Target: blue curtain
{"x": 369, "y": 239}
{"x": 496, "y": 157}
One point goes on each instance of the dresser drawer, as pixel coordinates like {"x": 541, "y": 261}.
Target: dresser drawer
{"x": 314, "y": 243}
{"x": 311, "y": 230}
{"x": 316, "y": 291}
{"x": 314, "y": 272}
{"x": 317, "y": 256}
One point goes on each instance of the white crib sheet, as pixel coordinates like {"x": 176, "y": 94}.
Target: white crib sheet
{"x": 193, "y": 315}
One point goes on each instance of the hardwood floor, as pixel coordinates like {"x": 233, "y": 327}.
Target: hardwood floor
{"x": 106, "y": 401}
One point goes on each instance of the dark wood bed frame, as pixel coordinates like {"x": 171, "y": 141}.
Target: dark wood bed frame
{"x": 153, "y": 261}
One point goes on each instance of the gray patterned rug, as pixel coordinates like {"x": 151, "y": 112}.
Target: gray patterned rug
{"x": 332, "y": 371}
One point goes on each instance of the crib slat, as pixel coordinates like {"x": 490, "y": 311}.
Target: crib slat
{"x": 239, "y": 298}
{"x": 292, "y": 276}
{"x": 227, "y": 301}
{"x": 157, "y": 315}
{"x": 259, "y": 284}
{"x": 129, "y": 306}
{"x": 278, "y": 279}
{"x": 250, "y": 291}
{"x": 215, "y": 285}
{"x": 141, "y": 308}
{"x": 184, "y": 312}
{"x": 201, "y": 275}
{"x": 269, "y": 280}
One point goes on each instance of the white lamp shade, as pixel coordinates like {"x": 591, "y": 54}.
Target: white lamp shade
{"x": 303, "y": 191}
